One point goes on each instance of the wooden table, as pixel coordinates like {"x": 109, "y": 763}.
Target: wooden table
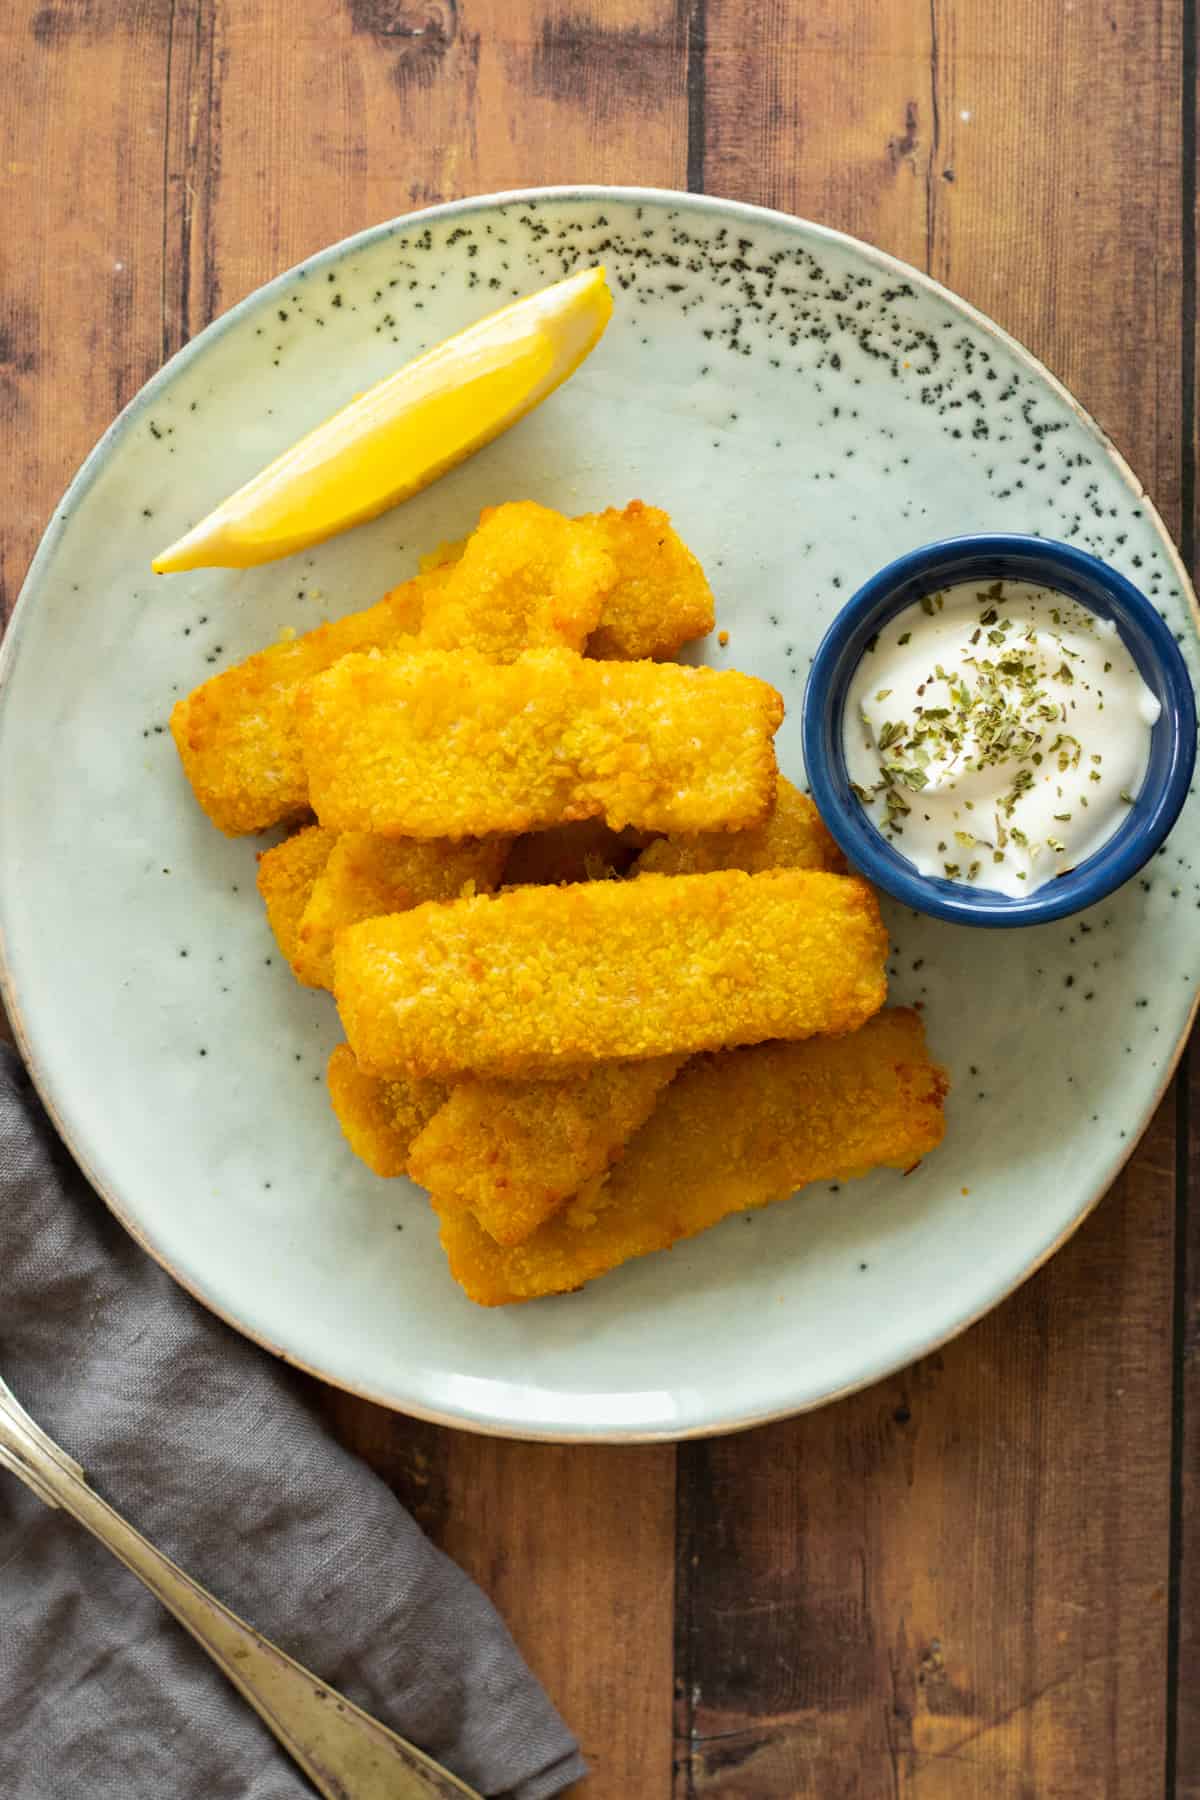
{"x": 979, "y": 1580}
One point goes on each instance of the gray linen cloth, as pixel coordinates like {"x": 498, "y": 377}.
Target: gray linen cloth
{"x": 206, "y": 1444}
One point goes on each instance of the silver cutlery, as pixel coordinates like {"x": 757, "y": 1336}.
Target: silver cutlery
{"x": 346, "y": 1754}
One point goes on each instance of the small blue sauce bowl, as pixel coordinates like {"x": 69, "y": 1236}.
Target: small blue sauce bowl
{"x": 985, "y": 559}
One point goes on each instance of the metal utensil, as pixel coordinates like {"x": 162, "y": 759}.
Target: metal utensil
{"x": 346, "y": 1754}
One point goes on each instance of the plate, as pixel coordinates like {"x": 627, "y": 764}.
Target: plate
{"x": 807, "y": 409}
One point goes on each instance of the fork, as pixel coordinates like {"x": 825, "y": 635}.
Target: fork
{"x": 346, "y": 1754}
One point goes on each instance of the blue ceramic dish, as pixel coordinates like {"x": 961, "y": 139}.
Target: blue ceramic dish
{"x": 990, "y": 558}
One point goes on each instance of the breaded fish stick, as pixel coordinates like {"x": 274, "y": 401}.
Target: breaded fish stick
{"x": 379, "y": 1118}
{"x": 442, "y": 744}
{"x": 732, "y": 1132}
{"x": 661, "y": 598}
{"x": 236, "y": 735}
{"x": 315, "y": 882}
{"x": 365, "y": 875}
{"x": 532, "y": 577}
{"x": 287, "y": 876}
{"x": 794, "y": 836}
{"x": 532, "y": 979}
{"x": 495, "y": 1160}
{"x": 528, "y": 578}
{"x": 512, "y": 1152}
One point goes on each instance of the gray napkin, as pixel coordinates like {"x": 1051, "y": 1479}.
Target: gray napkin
{"x": 207, "y": 1446}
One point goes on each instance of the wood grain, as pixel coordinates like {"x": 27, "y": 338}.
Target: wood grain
{"x": 1184, "y": 1671}
{"x": 1184, "y": 1689}
{"x": 82, "y": 258}
{"x": 956, "y": 1586}
{"x": 1068, "y": 235}
{"x": 293, "y": 125}
{"x": 950, "y": 1586}
{"x": 575, "y": 1546}
{"x": 833, "y": 123}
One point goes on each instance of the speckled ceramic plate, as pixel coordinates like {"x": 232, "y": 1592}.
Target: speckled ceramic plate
{"x": 807, "y": 409}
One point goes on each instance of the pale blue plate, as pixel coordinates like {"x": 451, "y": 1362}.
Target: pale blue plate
{"x": 807, "y": 409}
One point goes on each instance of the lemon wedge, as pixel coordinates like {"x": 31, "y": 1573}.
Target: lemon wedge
{"x": 405, "y": 431}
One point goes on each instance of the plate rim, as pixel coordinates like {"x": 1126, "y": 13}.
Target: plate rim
{"x": 712, "y": 205}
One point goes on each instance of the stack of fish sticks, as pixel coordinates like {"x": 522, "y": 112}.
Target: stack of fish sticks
{"x": 603, "y": 975}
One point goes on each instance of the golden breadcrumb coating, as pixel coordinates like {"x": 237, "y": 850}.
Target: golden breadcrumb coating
{"x": 794, "y": 836}
{"x": 661, "y": 598}
{"x": 531, "y": 577}
{"x": 514, "y": 1164}
{"x": 380, "y": 1119}
{"x": 730, "y": 1133}
{"x": 366, "y": 875}
{"x": 527, "y": 578}
{"x": 512, "y": 1152}
{"x": 236, "y": 735}
{"x": 585, "y": 851}
{"x": 530, "y": 979}
{"x": 286, "y": 878}
{"x": 446, "y": 744}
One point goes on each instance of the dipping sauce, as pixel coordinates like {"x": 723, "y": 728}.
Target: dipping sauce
{"x": 998, "y": 735}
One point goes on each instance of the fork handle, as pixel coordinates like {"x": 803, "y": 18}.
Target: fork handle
{"x": 346, "y": 1754}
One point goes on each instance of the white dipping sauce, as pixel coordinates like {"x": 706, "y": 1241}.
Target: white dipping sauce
{"x": 998, "y": 734}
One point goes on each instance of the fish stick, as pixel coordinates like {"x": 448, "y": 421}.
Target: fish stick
{"x": 527, "y": 578}
{"x": 508, "y": 1152}
{"x": 512, "y": 1152}
{"x": 287, "y": 876}
{"x": 480, "y": 1155}
{"x": 531, "y": 979}
{"x": 442, "y": 744}
{"x": 316, "y": 882}
{"x": 585, "y": 851}
{"x": 794, "y": 836}
{"x": 365, "y": 875}
{"x": 236, "y": 735}
{"x": 660, "y": 599}
{"x": 380, "y": 1119}
{"x": 732, "y": 1132}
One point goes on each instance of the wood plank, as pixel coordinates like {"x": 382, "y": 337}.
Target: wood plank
{"x": 953, "y": 1585}
{"x": 956, "y": 1584}
{"x": 1070, "y": 239}
{"x": 835, "y": 123}
{"x": 1184, "y": 1692}
{"x": 290, "y": 126}
{"x": 295, "y": 125}
{"x": 575, "y": 1546}
{"x": 79, "y": 302}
